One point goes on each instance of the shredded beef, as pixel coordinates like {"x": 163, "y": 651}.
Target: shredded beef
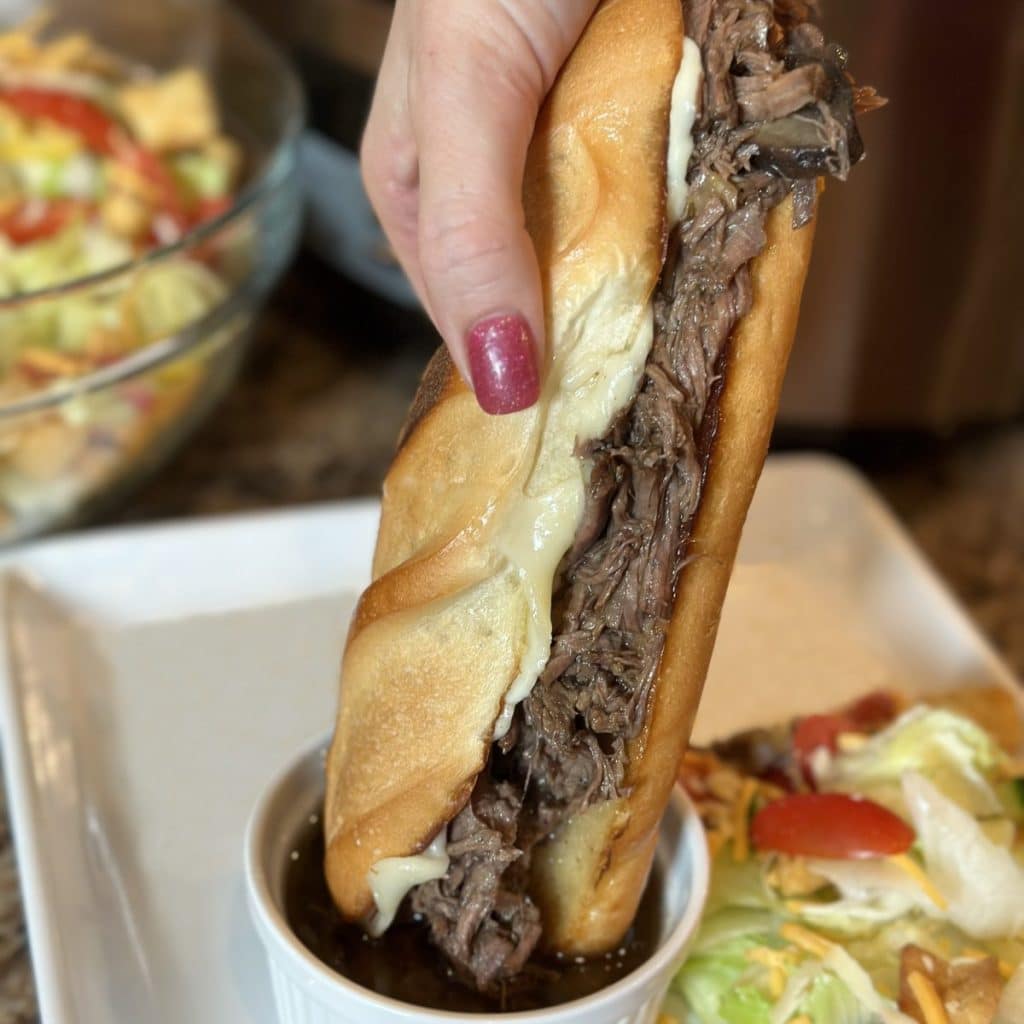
{"x": 762, "y": 98}
{"x": 477, "y": 913}
{"x": 777, "y": 110}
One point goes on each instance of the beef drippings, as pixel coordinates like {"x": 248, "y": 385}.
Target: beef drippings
{"x": 403, "y": 964}
{"x": 776, "y": 111}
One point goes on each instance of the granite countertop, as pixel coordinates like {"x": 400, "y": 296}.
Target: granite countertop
{"x": 315, "y": 416}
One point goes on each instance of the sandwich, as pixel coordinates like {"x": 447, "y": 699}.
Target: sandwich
{"x": 520, "y": 678}
{"x": 867, "y": 866}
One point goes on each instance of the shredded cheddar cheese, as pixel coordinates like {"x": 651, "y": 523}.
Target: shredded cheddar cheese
{"x": 971, "y": 953}
{"x": 792, "y": 878}
{"x": 48, "y": 362}
{"x": 885, "y": 989}
{"x": 927, "y": 999}
{"x": 741, "y": 811}
{"x": 1005, "y": 969}
{"x": 769, "y": 957}
{"x": 849, "y": 742}
{"x": 806, "y": 940}
{"x": 716, "y": 840}
{"x": 770, "y": 791}
{"x": 916, "y": 872}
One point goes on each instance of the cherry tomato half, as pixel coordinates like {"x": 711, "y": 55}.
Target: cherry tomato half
{"x": 208, "y": 209}
{"x": 149, "y": 167}
{"x": 873, "y": 711}
{"x": 91, "y": 123}
{"x": 816, "y": 731}
{"x": 831, "y": 825}
{"x": 39, "y": 219}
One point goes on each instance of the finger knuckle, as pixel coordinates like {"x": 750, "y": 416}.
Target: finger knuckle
{"x": 461, "y": 243}
{"x": 543, "y": 32}
{"x": 388, "y": 165}
{"x": 538, "y": 37}
{"x": 371, "y": 161}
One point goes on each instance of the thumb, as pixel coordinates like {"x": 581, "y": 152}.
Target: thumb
{"x": 481, "y": 70}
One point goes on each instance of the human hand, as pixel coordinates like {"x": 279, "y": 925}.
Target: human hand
{"x": 443, "y": 156}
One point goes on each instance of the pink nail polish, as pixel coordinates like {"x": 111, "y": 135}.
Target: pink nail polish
{"x": 503, "y": 364}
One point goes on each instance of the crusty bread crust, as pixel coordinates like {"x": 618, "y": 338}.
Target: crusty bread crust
{"x": 589, "y": 880}
{"x": 439, "y": 636}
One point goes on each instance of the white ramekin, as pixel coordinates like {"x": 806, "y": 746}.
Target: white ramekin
{"x": 308, "y": 992}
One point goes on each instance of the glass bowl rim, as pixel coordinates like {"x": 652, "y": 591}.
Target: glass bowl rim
{"x": 150, "y": 356}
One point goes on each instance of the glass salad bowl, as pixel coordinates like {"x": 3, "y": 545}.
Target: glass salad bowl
{"x": 119, "y": 329}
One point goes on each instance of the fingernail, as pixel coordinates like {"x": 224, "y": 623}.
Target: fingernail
{"x": 503, "y": 364}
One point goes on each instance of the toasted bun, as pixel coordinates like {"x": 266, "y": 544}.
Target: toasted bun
{"x": 589, "y": 880}
{"x": 459, "y": 609}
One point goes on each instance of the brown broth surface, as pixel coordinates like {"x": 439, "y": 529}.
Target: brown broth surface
{"x": 403, "y": 964}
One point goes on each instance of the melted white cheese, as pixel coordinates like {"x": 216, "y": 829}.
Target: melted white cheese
{"x": 591, "y": 385}
{"x": 594, "y": 387}
{"x": 392, "y": 877}
{"x": 680, "y": 134}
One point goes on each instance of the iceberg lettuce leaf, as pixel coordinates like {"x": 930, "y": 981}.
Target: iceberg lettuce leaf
{"x": 983, "y": 883}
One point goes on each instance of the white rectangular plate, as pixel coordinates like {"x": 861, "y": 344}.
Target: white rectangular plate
{"x": 153, "y": 679}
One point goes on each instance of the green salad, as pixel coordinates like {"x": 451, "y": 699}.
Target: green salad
{"x": 100, "y": 162}
{"x": 868, "y": 868}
